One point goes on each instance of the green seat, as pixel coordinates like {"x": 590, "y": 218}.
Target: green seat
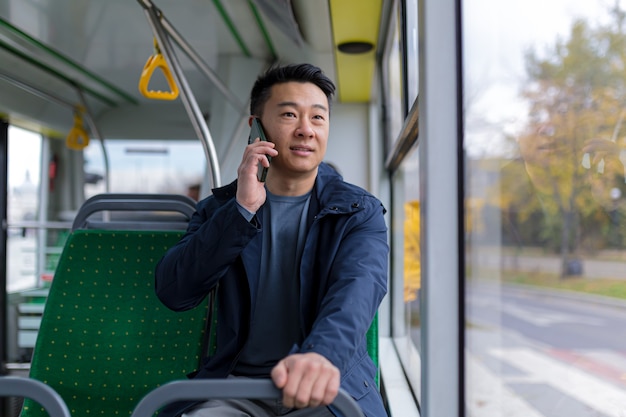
{"x": 105, "y": 340}
{"x": 372, "y": 346}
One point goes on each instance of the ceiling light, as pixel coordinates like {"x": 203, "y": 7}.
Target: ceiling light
{"x": 355, "y": 47}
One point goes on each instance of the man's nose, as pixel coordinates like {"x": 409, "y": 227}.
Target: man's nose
{"x": 305, "y": 128}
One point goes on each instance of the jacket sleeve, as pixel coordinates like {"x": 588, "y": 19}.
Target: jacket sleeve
{"x": 216, "y": 235}
{"x": 357, "y": 284}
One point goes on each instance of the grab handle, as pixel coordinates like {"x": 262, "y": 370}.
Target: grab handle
{"x": 77, "y": 139}
{"x": 155, "y": 61}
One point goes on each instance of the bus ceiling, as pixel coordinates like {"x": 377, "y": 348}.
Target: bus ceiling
{"x": 100, "y": 48}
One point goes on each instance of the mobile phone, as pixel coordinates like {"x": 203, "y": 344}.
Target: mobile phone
{"x": 256, "y": 131}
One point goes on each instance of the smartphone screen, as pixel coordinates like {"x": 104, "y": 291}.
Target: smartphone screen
{"x": 256, "y": 131}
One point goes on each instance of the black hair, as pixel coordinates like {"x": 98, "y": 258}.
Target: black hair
{"x": 302, "y": 73}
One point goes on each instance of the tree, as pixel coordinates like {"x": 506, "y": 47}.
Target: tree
{"x": 576, "y": 94}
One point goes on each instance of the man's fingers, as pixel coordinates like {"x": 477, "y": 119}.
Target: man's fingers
{"x": 317, "y": 395}
{"x": 310, "y": 380}
{"x": 279, "y": 374}
{"x": 332, "y": 389}
{"x": 293, "y": 375}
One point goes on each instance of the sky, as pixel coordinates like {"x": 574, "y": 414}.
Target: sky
{"x": 496, "y": 34}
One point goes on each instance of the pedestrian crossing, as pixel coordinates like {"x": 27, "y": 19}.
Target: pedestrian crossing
{"x": 594, "y": 380}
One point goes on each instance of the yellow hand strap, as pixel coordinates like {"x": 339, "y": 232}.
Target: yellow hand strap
{"x": 157, "y": 61}
{"x": 77, "y": 139}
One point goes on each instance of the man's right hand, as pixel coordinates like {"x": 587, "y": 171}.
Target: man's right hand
{"x": 307, "y": 380}
{"x": 250, "y": 191}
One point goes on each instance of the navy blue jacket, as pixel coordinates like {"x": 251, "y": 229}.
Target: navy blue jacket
{"x": 343, "y": 278}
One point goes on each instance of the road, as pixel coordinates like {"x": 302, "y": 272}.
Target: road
{"x": 535, "y": 354}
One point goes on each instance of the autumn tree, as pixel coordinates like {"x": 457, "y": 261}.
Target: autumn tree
{"x": 569, "y": 148}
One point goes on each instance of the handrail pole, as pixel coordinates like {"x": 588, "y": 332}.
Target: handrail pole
{"x": 94, "y": 129}
{"x": 203, "y": 389}
{"x": 36, "y": 91}
{"x": 187, "y": 97}
{"x": 195, "y": 58}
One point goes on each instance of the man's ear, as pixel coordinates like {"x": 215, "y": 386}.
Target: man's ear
{"x": 250, "y": 120}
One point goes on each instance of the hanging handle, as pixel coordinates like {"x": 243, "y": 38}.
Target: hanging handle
{"x": 157, "y": 61}
{"x": 77, "y": 139}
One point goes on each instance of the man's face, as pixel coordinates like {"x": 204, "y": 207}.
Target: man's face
{"x": 296, "y": 119}
{"x": 543, "y": 148}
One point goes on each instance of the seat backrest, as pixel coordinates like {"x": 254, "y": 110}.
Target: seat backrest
{"x": 105, "y": 340}
{"x": 117, "y": 211}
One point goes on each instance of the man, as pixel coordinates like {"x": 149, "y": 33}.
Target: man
{"x": 301, "y": 262}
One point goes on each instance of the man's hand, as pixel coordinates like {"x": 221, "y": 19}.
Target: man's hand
{"x": 610, "y": 177}
{"x": 607, "y": 151}
{"x": 250, "y": 191}
{"x": 307, "y": 380}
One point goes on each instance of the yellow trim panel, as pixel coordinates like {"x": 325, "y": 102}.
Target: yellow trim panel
{"x": 355, "y": 21}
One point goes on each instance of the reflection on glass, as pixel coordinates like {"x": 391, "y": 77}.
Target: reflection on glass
{"x": 546, "y": 198}
{"x": 407, "y": 181}
{"x": 392, "y": 74}
{"x": 412, "y": 59}
{"x": 412, "y": 268}
{"x": 407, "y": 278}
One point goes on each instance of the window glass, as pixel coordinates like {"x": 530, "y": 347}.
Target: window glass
{"x": 405, "y": 252}
{"x": 412, "y": 62}
{"x": 22, "y": 206}
{"x": 392, "y": 74}
{"x": 406, "y": 279}
{"x": 141, "y": 166}
{"x": 544, "y": 91}
{"x": 411, "y": 242}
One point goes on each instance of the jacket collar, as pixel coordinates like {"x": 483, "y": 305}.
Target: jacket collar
{"x": 334, "y": 195}
{"x": 330, "y": 194}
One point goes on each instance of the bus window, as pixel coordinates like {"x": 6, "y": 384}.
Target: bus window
{"x": 22, "y": 207}
{"x": 545, "y": 273}
{"x": 407, "y": 274}
{"x": 393, "y": 79}
{"x": 146, "y": 166}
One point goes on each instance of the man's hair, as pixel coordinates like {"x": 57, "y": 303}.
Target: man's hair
{"x": 302, "y": 73}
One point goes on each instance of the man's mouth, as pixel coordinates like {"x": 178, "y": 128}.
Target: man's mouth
{"x": 301, "y": 149}
{"x": 548, "y": 146}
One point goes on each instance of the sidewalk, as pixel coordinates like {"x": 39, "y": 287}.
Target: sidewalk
{"x": 592, "y": 268}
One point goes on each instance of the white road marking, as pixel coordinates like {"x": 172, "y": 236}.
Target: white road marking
{"x": 547, "y": 318}
{"x": 488, "y": 396}
{"x": 590, "y": 390}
